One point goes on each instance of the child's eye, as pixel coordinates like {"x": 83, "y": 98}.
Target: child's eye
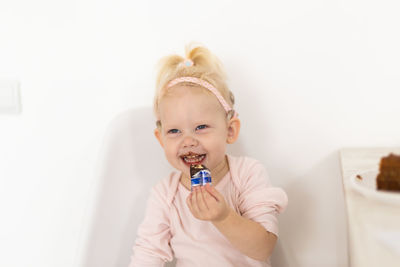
{"x": 173, "y": 131}
{"x": 201, "y": 127}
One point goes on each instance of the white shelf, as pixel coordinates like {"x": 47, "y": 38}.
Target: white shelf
{"x": 374, "y": 227}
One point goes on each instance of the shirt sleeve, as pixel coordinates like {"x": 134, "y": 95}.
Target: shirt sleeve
{"x": 152, "y": 247}
{"x": 258, "y": 200}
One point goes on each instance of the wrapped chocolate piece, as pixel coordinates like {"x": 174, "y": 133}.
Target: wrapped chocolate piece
{"x": 200, "y": 175}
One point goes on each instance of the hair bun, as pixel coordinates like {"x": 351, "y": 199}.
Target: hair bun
{"x": 198, "y": 62}
{"x": 188, "y": 62}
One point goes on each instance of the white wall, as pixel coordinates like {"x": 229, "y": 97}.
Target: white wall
{"x": 310, "y": 77}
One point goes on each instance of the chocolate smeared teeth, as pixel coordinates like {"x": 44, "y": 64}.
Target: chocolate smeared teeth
{"x": 200, "y": 175}
{"x": 193, "y": 158}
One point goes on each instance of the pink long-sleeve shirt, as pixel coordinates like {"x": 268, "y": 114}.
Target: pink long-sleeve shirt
{"x": 170, "y": 230}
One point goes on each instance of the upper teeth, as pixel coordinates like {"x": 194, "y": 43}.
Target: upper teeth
{"x": 193, "y": 158}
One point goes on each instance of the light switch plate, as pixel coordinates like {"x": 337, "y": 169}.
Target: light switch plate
{"x": 10, "y": 102}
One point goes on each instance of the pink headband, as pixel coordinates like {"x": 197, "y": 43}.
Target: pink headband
{"x": 206, "y": 85}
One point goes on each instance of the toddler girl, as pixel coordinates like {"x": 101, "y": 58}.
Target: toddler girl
{"x": 234, "y": 221}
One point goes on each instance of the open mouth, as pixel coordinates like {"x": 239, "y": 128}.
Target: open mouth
{"x": 192, "y": 158}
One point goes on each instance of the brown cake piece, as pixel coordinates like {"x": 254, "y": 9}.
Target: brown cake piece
{"x": 389, "y": 173}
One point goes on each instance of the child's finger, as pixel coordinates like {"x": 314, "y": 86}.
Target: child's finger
{"x": 189, "y": 199}
{"x": 189, "y": 202}
{"x": 202, "y": 199}
{"x": 199, "y": 200}
{"x": 210, "y": 189}
{"x": 194, "y": 203}
{"x": 210, "y": 200}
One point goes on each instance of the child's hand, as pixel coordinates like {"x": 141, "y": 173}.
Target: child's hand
{"x": 207, "y": 204}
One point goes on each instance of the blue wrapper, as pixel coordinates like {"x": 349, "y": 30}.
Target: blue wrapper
{"x": 200, "y": 175}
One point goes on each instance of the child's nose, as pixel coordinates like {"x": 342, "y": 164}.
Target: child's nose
{"x": 189, "y": 141}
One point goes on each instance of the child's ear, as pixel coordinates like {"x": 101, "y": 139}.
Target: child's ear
{"x": 157, "y": 133}
{"x": 233, "y": 130}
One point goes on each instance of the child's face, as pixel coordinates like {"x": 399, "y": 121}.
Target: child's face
{"x": 194, "y": 128}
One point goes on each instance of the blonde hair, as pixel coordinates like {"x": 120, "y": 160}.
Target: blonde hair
{"x": 206, "y": 66}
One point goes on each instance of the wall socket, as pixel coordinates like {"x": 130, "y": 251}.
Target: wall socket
{"x": 10, "y": 99}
